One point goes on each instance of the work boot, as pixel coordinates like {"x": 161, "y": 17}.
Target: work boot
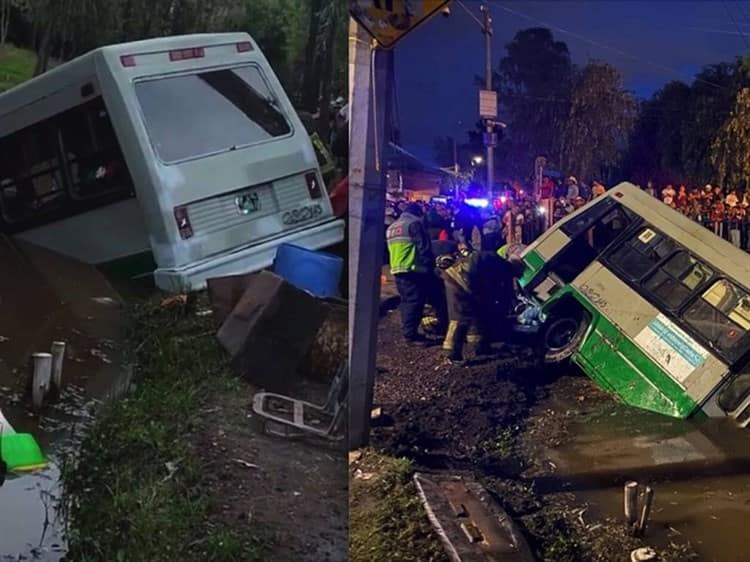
{"x": 455, "y": 357}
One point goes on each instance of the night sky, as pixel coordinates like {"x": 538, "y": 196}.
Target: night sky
{"x": 650, "y": 43}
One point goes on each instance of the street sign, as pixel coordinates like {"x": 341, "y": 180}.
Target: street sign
{"x": 487, "y": 104}
{"x": 490, "y": 139}
{"x": 390, "y": 20}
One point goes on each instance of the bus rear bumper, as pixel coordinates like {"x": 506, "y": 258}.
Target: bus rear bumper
{"x": 246, "y": 259}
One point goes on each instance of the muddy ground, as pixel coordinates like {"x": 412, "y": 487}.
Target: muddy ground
{"x": 294, "y": 490}
{"x": 494, "y": 418}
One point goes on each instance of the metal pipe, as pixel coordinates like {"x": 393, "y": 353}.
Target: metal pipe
{"x": 648, "y": 499}
{"x": 40, "y": 381}
{"x": 58, "y": 356}
{"x": 631, "y": 502}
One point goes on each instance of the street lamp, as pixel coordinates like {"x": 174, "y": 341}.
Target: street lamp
{"x": 476, "y": 160}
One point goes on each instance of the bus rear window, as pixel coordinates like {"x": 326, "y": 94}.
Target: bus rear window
{"x": 208, "y": 112}
{"x": 722, "y": 315}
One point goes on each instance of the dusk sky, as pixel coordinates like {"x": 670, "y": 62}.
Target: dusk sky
{"x": 650, "y": 43}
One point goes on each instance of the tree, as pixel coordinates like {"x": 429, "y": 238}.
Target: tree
{"x": 712, "y": 96}
{"x": 598, "y": 124}
{"x": 730, "y": 150}
{"x": 534, "y": 83}
{"x": 6, "y": 10}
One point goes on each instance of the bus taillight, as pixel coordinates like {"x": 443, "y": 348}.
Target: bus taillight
{"x": 183, "y": 222}
{"x": 244, "y": 47}
{"x": 185, "y": 54}
{"x": 313, "y": 186}
{"x": 127, "y": 60}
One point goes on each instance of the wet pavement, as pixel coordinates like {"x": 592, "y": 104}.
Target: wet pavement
{"x": 47, "y": 297}
{"x": 700, "y": 472}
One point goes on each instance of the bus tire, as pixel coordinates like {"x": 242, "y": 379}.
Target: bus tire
{"x": 563, "y": 334}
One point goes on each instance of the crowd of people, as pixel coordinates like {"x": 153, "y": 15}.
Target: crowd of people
{"x": 454, "y": 254}
{"x": 724, "y": 212}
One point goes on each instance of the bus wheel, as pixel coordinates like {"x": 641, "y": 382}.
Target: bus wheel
{"x": 562, "y": 336}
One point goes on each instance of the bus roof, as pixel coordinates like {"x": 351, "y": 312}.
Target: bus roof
{"x": 714, "y": 250}
{"x": 84, "y": 66}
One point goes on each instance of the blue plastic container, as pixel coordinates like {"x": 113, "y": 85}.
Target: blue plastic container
{"x": 316, "y": 272}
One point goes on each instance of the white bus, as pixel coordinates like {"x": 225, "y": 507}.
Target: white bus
{"x": 185, "y": 148}
{"x": 650, "y": 304}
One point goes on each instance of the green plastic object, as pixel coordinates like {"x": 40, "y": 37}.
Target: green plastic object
{"x": 21, "y": 452}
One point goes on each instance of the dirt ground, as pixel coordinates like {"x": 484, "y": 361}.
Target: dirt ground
{"x": 494, "y": 418}
{"x": 296, "y": 490}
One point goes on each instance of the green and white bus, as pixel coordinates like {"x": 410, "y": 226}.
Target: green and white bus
{"x": 186, "y": 149}
{"x": 651, "y": 305}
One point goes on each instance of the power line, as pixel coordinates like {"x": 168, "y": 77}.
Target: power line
{"x": 734, "y": 21}
{"x": 601, "y": 45}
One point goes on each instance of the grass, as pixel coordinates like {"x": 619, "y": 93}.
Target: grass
{"x": 16, "y": 66}
{"x": 502, "y": 445}
{"x": 137, "y": 491}
{"x": 386, "y": 518}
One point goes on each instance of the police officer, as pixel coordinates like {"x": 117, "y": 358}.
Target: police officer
{"x": 412, "y": 264}
{"x": 478, "y": 288}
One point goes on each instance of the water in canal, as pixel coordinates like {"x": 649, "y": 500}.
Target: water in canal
{"x": 700, "y": 472}
{"x": 47, "y": 297}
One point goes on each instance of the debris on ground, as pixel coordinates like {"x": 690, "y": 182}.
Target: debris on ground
{"x": 270, "y": 330}
{"x": 491, "y": 418}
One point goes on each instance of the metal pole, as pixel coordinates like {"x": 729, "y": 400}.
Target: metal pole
{"x": 648, "y": 499}
{"x": 455, "y": 168}
{"x": 40, "y": 379}
{"x": 631, "y": 502}
{"x": 370, "y": 103}
{"x": 490, "y": 128}
{"x": 58, "y": 356}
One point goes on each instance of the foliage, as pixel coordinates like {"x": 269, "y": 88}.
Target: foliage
{"x": 534, "y": 84}
{"x": 285, "y": 29}
{"x": 137, "y": 492}
{"x": 730, "y": 150}
{"x": 673, "y": 135}
{"x": 16, "y": 66}
{"x": 599, "y": 121}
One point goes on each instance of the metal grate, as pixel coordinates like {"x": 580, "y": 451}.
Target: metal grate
{"x": 222, "y": 212}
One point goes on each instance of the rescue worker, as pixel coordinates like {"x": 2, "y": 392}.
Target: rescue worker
{"x": 411, "y": 259}
{"x": 479, "y": 291}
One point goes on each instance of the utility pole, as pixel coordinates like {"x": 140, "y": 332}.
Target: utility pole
{"x": 486, "y": 25}
{"x": 369, "y": 92}
{"x": 455, "y": 169}
{"x": 487, "y": 30}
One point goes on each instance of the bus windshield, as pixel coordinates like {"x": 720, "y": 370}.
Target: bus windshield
{"x": 193, "y": 115}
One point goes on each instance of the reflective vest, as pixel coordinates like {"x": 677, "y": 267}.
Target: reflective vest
{"x": 402, "y": 248}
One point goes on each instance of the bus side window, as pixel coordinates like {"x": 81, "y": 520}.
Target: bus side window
{"x": 30, "y": 177}
{"x": 93, "y": 155}
{"x": 722, "y": 315}
{"x": 604, "y": 232}
{"x": 676, "y": 279}
{"x": 637, "y": 255}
